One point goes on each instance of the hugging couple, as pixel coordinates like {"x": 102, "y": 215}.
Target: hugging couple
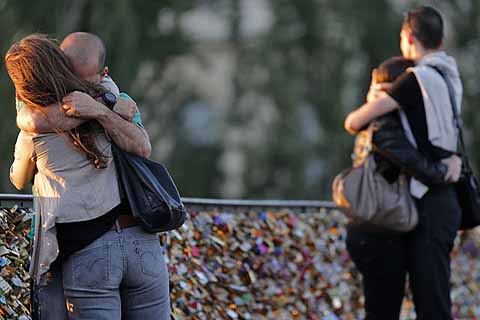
{"x": 409, "y": 98}
{"x": 91, "y": 259}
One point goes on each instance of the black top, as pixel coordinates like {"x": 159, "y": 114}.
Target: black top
{"x": 406, "y": 91}
{"x": 74, "y": 236}
{"x": 394, "y": 153}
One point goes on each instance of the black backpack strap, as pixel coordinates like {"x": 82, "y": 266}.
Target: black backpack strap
{"x": 117, "y": 161}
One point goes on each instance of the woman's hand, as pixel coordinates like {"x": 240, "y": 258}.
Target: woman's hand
{"x": 454, "y": 171}
{"x": 377, "y": 90}
{"x": 81, "y": 105}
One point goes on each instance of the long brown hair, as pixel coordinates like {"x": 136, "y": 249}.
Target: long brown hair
{"x": 43, "y": 75}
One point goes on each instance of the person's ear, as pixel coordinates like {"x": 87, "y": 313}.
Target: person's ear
{"x": 104, "y": 72}
{"x": 410, "y": 38}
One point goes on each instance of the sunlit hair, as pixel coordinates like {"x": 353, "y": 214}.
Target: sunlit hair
{"x": 391, "y": 69}
{"x": 43, "y": 75}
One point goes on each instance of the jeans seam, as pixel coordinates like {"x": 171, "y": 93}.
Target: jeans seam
{"x": 124, "y": 256}
{"x": 108, "y": 264}
{"x": 38, "y": 310}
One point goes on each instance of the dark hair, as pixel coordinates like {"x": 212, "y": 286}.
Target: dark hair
{"x": 43, "y": 75}
{"x": 392, "y": 68}
{"x": 426, "y": 24}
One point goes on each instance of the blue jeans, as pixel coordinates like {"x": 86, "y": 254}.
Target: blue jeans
{"x": 121, "y": 275}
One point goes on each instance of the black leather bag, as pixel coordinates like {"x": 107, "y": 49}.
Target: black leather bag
{"x": 468, "y": 191}
{"x": 469, "y": 199}
{"x": 150, "y": 190}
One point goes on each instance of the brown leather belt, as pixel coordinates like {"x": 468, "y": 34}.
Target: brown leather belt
{"x": 124, "y": 221}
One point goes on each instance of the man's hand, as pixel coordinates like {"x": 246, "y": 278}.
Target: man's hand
{"x": 454, "y": 171}
{"x": 81, "y": 105}
{"x": 126, "y": 108}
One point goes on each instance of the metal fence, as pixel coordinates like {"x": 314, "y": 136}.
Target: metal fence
{"x": 232, "y": 205}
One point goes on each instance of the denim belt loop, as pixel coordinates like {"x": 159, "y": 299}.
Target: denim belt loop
{"x": 117, "y": 226}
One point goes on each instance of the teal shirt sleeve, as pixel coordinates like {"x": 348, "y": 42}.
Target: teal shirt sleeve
{"x": 20, "y": 105}
{"x": 138, "y": 117}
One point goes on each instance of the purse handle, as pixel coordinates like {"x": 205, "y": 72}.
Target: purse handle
{"x": 456, "y": 119}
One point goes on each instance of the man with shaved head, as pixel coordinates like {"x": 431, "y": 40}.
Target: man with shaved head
{"x": 86, "y": 52}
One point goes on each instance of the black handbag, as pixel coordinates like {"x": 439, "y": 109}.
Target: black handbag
{"x": 468, "y": 191}
{"x": 153, "y": 197}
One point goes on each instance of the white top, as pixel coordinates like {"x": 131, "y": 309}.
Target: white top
{"x": 67, "y": 188}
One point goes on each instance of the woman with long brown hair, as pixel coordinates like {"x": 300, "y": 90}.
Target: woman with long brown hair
{"x": 111, "y": 267}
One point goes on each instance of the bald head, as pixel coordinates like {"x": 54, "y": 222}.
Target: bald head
{"x": 86, "y": 52}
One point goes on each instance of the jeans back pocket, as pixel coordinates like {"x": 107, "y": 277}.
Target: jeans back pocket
{"x": 90, "y": 267}
{"x": 150, "y": 255}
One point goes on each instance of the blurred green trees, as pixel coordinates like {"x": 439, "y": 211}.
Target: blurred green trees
{"x": 243, "y": 98}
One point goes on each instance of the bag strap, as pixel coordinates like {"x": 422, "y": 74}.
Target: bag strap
{"x": 456, "y": 118}
{"x": 121, "y": 187}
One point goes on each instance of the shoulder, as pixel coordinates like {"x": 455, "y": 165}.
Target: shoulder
{"x": 408, "y": 77}
{"x": 406, "y": 91}
{"x": 108, "y": 83}
{"x": 428, "y": 74}
{"x": 138, "y": 117}
{"x": 404, "y": 85}
{"x": 125, "y": 96}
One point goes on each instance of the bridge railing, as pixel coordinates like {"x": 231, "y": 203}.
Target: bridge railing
{"x": 301, "y": 206}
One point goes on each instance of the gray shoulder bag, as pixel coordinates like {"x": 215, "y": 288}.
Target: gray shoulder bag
{"x": 367, "y": 198}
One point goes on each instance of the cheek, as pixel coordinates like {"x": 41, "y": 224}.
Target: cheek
{"x": 93, "y": 79}
{"x": 403, "y": 45}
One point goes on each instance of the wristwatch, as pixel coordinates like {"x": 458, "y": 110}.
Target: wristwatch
{"x": 109, "y": 99}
